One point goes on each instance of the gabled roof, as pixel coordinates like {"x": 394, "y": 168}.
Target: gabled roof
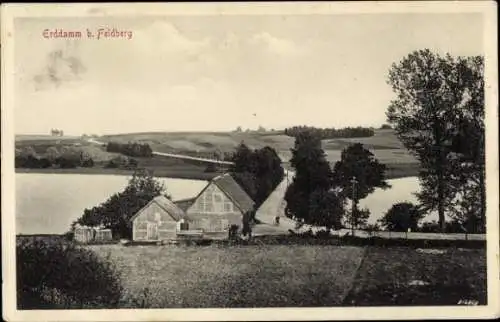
{"x": 184, "y": 204}
{"x": 233, "y": 190}
{"x": 166, "y": 204}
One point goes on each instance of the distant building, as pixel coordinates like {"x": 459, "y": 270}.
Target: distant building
{"x": 219, "y": 205}
{"x": 157, "y": 221}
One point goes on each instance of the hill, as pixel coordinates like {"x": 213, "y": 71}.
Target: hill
{"x": 384, "y": 145}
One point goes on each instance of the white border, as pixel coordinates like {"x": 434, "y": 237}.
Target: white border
{"x": 9, "y": 12}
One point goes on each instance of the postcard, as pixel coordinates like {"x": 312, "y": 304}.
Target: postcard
{"x": 250, "y": 161}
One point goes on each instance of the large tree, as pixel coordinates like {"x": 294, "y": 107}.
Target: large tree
{"x": 358, "y": 173}
{"x": 469, "y": 141}
{"x": 310, "y": 198}
{"x": 437, "y": 99}
{"x": 257, "y": 171}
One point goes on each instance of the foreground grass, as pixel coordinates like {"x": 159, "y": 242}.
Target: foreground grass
{"x": 267, "y": 276}
{"x": 386, "y": 275}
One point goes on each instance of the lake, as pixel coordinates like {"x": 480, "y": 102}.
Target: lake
{"x": 49, "y": 203}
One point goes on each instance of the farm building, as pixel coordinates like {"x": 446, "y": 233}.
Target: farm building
{"x": 157, "y": 221}
{"x": 219, "y": 205}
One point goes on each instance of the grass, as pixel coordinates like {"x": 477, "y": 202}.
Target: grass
{"x": 384, "y": 276}
{"x": 295, "y": 275}
{"x": 211, "y": 276}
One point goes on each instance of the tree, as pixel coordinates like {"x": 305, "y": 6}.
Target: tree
{"x": 258, "y": 172}
{"x": 469, "y": 142}
{"x": 310, "y": 198}
{"x": 115, "y": 213}
{"x": 358, "y": 173}
{"x": 327, "y": 207}
{"x": 402, "y": 216}
{"x": 436, "y": 97}
{"x": 359, "y": 219}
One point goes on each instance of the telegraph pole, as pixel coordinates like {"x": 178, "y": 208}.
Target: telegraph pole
{"x": 353, "y": 210}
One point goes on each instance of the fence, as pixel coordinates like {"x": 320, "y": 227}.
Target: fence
{"x": 398, "y": 235}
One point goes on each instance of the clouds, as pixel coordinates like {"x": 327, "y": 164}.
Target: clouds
{"x": 60, "y": 68}
{"x": 165, "y": 38}
{"x": 278, "y": 46}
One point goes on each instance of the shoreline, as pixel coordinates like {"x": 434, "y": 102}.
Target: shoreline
{"x": 181, "y": 174}
{"x": 157, "y": 173}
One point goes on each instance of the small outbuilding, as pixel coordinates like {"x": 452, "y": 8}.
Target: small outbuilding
{"x": 157, "y": 221}
{"x": 87, "y": 234}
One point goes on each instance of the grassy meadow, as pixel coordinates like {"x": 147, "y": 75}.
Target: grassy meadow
{"x": 211, "y": 276}
{"x": 302, "y": 276}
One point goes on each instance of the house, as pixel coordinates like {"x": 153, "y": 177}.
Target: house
{"x": 157, "y": 221}
{"x": 219, "y": 205}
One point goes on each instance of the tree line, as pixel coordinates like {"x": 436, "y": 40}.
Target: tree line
{"x": 331, "y": 133}
{"x": 65, "y": 159}
{"x": 132, "y": 149}
{"x": 438, "y": 114}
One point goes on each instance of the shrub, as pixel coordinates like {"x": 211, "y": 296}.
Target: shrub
{"x": 87, "y": 163}
{"x": 57, "y": 274}
{"x": 402, "y": 216}
{"x": 132, "y": 149}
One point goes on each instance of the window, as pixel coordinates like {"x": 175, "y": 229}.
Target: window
{"x": 157, "y": 217}
{"x": 217, "y": 197}
{"x": 228, "y": 207}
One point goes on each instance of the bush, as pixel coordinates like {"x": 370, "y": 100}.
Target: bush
{"x": 402, "y": 216}
{"x": 130, "y": 149}
{"x": 87, "y": 163}
{"x": 57, "y": 274}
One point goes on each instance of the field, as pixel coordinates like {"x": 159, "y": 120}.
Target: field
{"x": 276, "y": 275}
{"x": 235, "y": 276}
{"x": 384, "y": 145}
{"x": 447, "y": 278}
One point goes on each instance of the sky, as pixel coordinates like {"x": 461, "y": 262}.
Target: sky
{"x": 214, "y": 73}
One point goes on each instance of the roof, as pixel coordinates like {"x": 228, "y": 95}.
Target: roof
{"x": 184, "y": 204}
{"x": 234, "y": 191}
{"x": 167, "y": 205}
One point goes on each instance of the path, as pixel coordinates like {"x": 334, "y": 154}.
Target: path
{"x": 275, "y": 206}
